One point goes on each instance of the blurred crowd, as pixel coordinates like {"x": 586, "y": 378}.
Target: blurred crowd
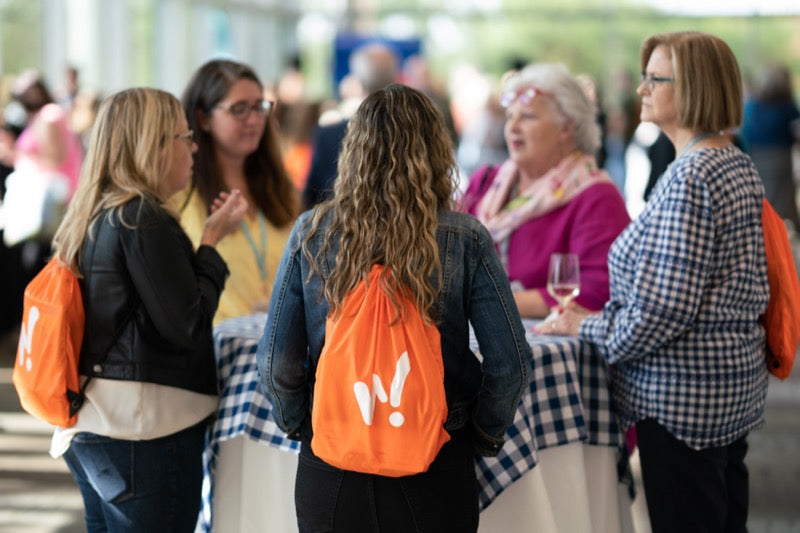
{"x": 46, "y": 131}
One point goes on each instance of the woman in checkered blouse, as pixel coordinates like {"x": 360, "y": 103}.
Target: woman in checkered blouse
{"x": 688, "y": 284}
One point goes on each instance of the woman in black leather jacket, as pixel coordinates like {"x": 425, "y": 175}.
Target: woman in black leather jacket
{"x": 136, "y": 450}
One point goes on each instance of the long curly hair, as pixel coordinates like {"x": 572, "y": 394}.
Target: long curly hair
{"x": 128, "y": 157}
{"x": 396, "y": 172}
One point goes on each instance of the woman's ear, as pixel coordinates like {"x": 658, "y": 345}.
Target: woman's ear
{"x": 567, "y": 133}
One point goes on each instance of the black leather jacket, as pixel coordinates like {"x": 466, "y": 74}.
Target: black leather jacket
{"x": 149, "y": 300}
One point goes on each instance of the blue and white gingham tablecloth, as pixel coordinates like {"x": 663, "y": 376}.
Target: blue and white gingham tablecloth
{"x": 567, "y": 401}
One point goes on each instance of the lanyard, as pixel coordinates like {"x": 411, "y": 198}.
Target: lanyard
{"x": 697, "y": 138}
{"x": 260, "y": 255}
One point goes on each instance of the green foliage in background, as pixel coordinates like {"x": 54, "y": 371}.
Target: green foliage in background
{"x": 20, "y": 35}
{"x": 603, "y": 41}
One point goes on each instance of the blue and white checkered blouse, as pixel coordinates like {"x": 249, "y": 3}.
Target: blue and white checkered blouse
{"x": 688, "y": 284}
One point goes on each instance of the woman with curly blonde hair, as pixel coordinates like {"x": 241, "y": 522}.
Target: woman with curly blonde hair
{"x": 392, "y": 207}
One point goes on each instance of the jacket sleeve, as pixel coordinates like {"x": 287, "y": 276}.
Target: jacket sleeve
{"x": 502, "y": 344}
{"x": 670, "y": 270}
{"x": 282, "y": 354}
{"x": 178, "y": 288}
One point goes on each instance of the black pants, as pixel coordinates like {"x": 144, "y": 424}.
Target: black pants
{"x": 443, "y": 499}
{"x": 692, "y": 490}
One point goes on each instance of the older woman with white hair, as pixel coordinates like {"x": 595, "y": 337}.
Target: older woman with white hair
{"x": 549, "y": 197}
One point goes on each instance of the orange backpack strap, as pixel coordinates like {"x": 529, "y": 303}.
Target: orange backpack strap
{"x": 782, "y": 317}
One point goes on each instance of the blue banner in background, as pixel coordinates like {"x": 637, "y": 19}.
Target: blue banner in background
{"x": 346, "y": 43}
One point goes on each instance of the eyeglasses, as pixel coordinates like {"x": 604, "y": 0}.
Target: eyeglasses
{"x": 650, "y": 80}
{"x": 242, "y": 110}
{"x": 523, "y": 95}
{"x": 187, "y": 137}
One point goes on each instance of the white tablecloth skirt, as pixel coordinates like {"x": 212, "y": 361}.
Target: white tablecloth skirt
{"x": 573, "y": 488}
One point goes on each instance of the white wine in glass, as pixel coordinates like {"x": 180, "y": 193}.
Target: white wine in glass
{"x": 564, "y": 278}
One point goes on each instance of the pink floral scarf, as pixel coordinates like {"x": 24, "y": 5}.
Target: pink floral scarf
{"x": 555, "y": 188}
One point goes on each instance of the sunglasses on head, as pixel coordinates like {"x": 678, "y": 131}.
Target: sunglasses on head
{"x": 523, "y": 95}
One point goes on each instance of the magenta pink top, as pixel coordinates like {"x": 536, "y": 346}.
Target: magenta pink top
{"x": 586, "y": 226}
{"x": 27, "y": 145}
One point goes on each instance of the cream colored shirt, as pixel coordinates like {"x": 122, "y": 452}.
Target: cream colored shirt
{"x": 134, "y": 410}
{"x": 245, "y": 290}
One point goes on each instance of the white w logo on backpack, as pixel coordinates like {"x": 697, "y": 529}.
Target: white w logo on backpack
{"x": 25, "y": 336}
{"x": 366, "y": 399}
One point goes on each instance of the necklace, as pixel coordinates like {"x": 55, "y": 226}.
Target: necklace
{"x": 697, "y": 138}
{"x": 260, "y": 255}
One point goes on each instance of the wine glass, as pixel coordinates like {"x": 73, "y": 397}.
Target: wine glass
{"x": 564, "y": 278}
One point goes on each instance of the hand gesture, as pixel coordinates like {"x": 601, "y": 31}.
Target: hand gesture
{"x": 227, "y": 212}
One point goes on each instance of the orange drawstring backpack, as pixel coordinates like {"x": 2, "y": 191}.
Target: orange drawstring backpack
{"x": 782, "y": 317}
{"x": 379, "y": 403}
{"x": 46, "y": 367}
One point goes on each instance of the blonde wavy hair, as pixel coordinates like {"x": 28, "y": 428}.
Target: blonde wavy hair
{"x": 396, "y": 172}
{"x": 128, "y": 156}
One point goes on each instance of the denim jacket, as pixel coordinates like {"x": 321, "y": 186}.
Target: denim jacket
{"x": 475, "y": 290}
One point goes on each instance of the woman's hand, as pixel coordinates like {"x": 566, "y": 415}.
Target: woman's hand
{"x": 227, "y": 212}
{"x": 566, "y": 322}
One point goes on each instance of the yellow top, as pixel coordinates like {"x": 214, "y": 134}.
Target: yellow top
{"x": 245, "y": 290}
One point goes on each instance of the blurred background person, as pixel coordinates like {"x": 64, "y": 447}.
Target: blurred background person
{"x": 297, "y": 119}
{"x": 590, "y": 89}
{"x": 661, "y": 153}
{"x": 297, "y": 123}
{"x": 417, "y": 74}
{"x": 682, "y": 330}
{"x": 646, "y": 158}
{"x": 621, "y": 121}
{"x": 47, "y": 157}
{"x": 136, "y": 449}
{"x": 47, "y": 143}
{"x": 771, "y": 128}
{"x": 385, "y": 211}
{"x": 238, "y": 148}
{"x": 13, "y": 122}
{"x": 372, "y": 66}
{"x": 549, "y": 196}
{"x": 69, "y": 90}
{"x": 13, "y": 271}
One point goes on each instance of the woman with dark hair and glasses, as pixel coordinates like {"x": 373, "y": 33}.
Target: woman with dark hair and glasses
{"x": 549, "y": 197}
{"x": 238, "y": 149}
{"x": 683, "y": 329}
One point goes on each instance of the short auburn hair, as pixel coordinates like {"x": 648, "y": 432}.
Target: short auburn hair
{"x": 708, "y": 83}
